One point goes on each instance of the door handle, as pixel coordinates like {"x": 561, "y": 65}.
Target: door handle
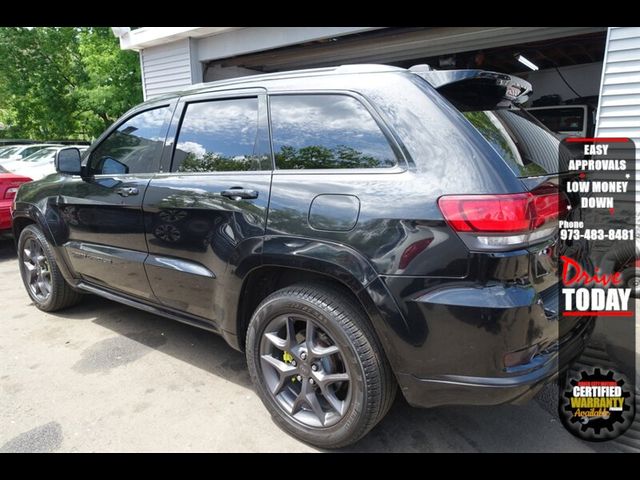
{"x": 239, "y": 194}
{"x": 127, "y": 191}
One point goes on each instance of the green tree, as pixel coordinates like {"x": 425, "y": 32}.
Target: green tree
{"x": 62, "y": 82}
{"x": 112, "y": 78}
{"x": 318, "y": 156}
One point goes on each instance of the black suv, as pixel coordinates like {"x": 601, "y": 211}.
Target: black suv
{"x": 352, "y": 229}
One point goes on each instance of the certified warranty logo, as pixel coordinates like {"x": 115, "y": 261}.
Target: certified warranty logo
{"x": 597, "y": 407}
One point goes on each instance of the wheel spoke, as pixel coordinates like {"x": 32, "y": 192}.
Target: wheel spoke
{"x": 35, "y": 251}
{"x": 336, "y": 404}
{"x": 309, "y": 335}
{"x": 281, "y": 367}
{"x": 41, "y": 288}
{"x": 36, "y": 287}
{"x": 327, "y": 379}
{"x": 31, "y": 270}
{"x": 314, "y": 403}
{"x": 279, "y": 343}
{"x": 320, "y": 352}
{"x": 291, "y": 333}
{"x": 283, "y": 370}
{"x": 45, "y": 288}
{"x": 300, "y": 400}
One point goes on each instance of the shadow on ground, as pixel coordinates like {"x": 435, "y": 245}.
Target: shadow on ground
{"x": 466, "y": 429}
{"x": 463, "y": 429}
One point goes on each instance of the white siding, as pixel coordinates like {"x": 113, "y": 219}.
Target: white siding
{"x": 619, "y": 108}
{"x": 166, "y": 68}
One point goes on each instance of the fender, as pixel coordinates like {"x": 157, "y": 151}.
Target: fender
{"x": 35, "y": 215}
{"x": 326, "y": 258}
{"x": 46, "y": 216}
{"x": 323, "y": 257}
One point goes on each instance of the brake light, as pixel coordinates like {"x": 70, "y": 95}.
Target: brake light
{"x": 504, "y": 221}
{"x": 10, "y": 193}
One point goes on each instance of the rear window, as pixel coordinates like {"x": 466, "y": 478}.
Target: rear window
{"x": 526, "y": 146}
{"x": 42, "y": 154}
{"x": 8, "y": 152}
{"x": 561, "y": 119}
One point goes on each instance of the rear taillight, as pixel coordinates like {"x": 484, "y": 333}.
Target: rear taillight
{"x": 10, "y": 193}
{"x": 502, "y": 222}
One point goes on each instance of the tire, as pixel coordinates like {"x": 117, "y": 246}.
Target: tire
{"x": 630, "y": 279}
{"x": 58, "y": 294}
{"x": 338, "y": 326}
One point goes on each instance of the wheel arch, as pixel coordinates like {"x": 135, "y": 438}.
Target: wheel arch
{"x": 268, "y": 278}
{"x": 48, "y": 222}
{"x": 19, "y": 224}
{"x": 29, "y": 214}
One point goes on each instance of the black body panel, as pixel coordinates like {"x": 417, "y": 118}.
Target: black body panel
{"x": 186, "y": 246}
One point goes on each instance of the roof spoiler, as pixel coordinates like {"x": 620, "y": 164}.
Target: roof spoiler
{"x": 476, "y": 89}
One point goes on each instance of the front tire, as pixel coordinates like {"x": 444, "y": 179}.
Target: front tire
{"x": 317, "y": 365}
{"x": 40, "y": 274}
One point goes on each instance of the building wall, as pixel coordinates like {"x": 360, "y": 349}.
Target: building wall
{"x": 619, "y": 107}
{"x": 166, "y": 68}
{"x": 166, "y": 65}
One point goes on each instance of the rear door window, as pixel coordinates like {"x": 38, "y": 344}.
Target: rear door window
{"x": 326, "y": 131}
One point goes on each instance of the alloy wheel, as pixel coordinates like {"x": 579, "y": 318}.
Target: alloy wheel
{"x": 305, "y": 371}
{"x": 36, "y": 269}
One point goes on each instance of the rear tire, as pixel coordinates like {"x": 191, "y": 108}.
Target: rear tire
{"x": 297, "y": 378}
{"x": 40, "y": 274}
{"x": 631, "y": 279}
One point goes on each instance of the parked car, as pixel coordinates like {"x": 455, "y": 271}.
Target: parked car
{"x": 18, "y": 152}
{"x": 7, "y": 151}
{"x": 38, "y": 165}
{"x": 351, "y": 229}
{"x": 9, "y": 184}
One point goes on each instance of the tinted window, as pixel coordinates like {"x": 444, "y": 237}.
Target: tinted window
{"x": 8, "y": 152}
{"x": 28, "y": 151}
{"x": 525, "y": 145}
{"x": 561, "y": 119}
{"x": 134, "y": 147}
{"x": 326, "y": 131}
{"x": 222, "y": 136}
{"x": 42, "y": 155}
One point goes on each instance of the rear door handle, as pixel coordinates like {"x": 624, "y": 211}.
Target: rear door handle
{"x": 127, "y": 191}
{"x": 239, "y": 194}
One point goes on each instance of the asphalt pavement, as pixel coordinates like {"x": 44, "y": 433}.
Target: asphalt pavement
{"x": 103, "y": 377}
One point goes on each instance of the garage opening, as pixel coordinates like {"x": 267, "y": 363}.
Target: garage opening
{"x": 565, "y": 70}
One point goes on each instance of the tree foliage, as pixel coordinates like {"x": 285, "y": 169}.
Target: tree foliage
{"x": 309, "y": 157}
{"x": 64, "y": 82}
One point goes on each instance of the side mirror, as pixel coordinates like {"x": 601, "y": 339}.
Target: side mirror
{"x": 68, "y": 161}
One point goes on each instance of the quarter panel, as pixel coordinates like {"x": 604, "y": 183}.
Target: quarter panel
{"x": 399, "y": 230}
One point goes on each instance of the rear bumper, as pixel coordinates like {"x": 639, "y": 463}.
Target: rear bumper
{"x": 5, "y": 215}
{"x": 516, "y": 388}
{"x": 464, "y": 342}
